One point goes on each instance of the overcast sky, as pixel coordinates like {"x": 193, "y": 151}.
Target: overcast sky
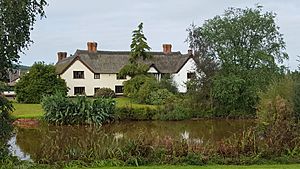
{"x": 71, "y": 23}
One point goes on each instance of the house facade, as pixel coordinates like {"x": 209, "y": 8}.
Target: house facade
{"x": 88, "y": 70}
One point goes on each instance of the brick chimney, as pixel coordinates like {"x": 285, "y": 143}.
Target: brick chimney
{"x": 92, "y": 46}
{"x": 167, "y": 48}
{"x": 190, "y": 52}
{"x": 61, "y": 56}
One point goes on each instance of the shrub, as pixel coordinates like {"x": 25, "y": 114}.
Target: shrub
{"x": 39, "y": 81}
{"x": 159, "y": 97}
{"x": 174, "y": 110}
{"x": 277, "y": 119}
{"x": 233, "y": 96}
{"x": 139, "y": 87}
{"x": 105, "y": 93}
{"x": 132, "y": 113}
{"x": 61, "y": 110}
{"x": 167, "y": 82}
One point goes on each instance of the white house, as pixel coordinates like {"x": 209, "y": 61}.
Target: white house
{"x": 91, "y": 69}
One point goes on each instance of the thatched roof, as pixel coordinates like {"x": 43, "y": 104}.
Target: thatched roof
{"x": 113, "y": 61}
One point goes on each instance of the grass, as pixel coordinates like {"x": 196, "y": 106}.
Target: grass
{"x": 36, "y": 111}
{"x": 292, "y": 166}
{"x": 27, "y": 110}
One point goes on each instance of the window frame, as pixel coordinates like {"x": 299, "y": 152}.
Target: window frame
{"x": 97, "y": 76}
{"x": 190, "y": 75}
{"x": 117, "y": 90}
{"x": 79, "y": 93}
{"x": 78, "y": 76}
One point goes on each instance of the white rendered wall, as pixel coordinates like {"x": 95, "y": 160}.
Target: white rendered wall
{"x": 180, "y": 78}
{"x": 106, "y": 80}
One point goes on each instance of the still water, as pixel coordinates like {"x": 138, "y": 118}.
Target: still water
{"x": 36, "y": 142}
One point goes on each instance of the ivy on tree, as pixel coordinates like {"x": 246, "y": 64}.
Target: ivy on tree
{"x": 139, "y": 51}
{"x": 17, "y": 18}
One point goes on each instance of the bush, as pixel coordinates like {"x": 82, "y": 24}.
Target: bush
{"x": 166, "y": 82}
{"x": 159, "y": 97}
{"x": 39, "y": 81}
{"x": 139, "y": 114}
{"x": 277, "y": 123}
{"x": 61, "y": 110}
{"x": 105, "y": 93}
{"x": 139, "y": 87}
{"x": 174, "y": 110}
{"x": 233, "y": 97}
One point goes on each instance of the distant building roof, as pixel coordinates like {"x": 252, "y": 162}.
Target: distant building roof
{"x": 113, "y": 61}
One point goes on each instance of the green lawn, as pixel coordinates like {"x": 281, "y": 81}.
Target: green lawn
{"x": 292, "y": 166}
{"x": 36, "y": 111}
{"x": 27, "y": 110}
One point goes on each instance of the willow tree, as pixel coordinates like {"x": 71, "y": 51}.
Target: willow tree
{"x": 247, "y": 45}
{"x": 17, "y": 18}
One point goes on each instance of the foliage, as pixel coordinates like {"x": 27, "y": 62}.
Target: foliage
{"x": 174, "y": 109}
{"x": 136, "y": 113}
{"x": 160, "y": 97}
{"x": 243, "y": 45}
{"x": 3, "y": 87}
{"x": 139, "y": 87}
{"x": 139, "y": 50}
{"x": 16, "y": 19}
{"x": 233, "y": 97}
{"x": 133, "y": 70}
{"x": 139, "y": 46}
{"x": 277, "y": 121}
{"x": 167, "y": 82}
{"x": 61, "y": 110}
{"x": 39, "y": 81}
{"x": 5, "y": 126}
{"x": 282, "y": 88}
{"x": 105, "y": 93}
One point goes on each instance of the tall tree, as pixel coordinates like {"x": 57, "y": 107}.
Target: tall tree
{"x": 139, "y": 51}
{"x": 17, "y": 18}
{"x": 247, "y": 45}
{"x": 139, "y": 46}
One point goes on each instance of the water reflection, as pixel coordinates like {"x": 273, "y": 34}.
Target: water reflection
{"x": 15, "y": 150}
{"x": 57, "y": 141}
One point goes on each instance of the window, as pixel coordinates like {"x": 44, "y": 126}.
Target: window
{"x": 191, "y": 75}
{"x": 79, "y": 90}
{"x": 96, "y": 89}
{"x": 96, "y": 75}
{"x": 166, "y": 75}
{"x": 121, "y": 77}
{"x": 119, "y": 89}
{"x": 78, "y": 74}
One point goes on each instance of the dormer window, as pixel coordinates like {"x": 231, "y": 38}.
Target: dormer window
{"x": 191, "y": 75}
{"x": 78, "y": 74}
{"x": 96, "y": 75}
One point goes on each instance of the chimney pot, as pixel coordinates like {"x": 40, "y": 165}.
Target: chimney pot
{"x": 61, "y": 56}
{"x": 167, "y": 48}
{"x": 92, "y": 46}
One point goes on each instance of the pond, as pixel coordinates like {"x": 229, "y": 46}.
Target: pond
{"x": 48, "y": 141}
